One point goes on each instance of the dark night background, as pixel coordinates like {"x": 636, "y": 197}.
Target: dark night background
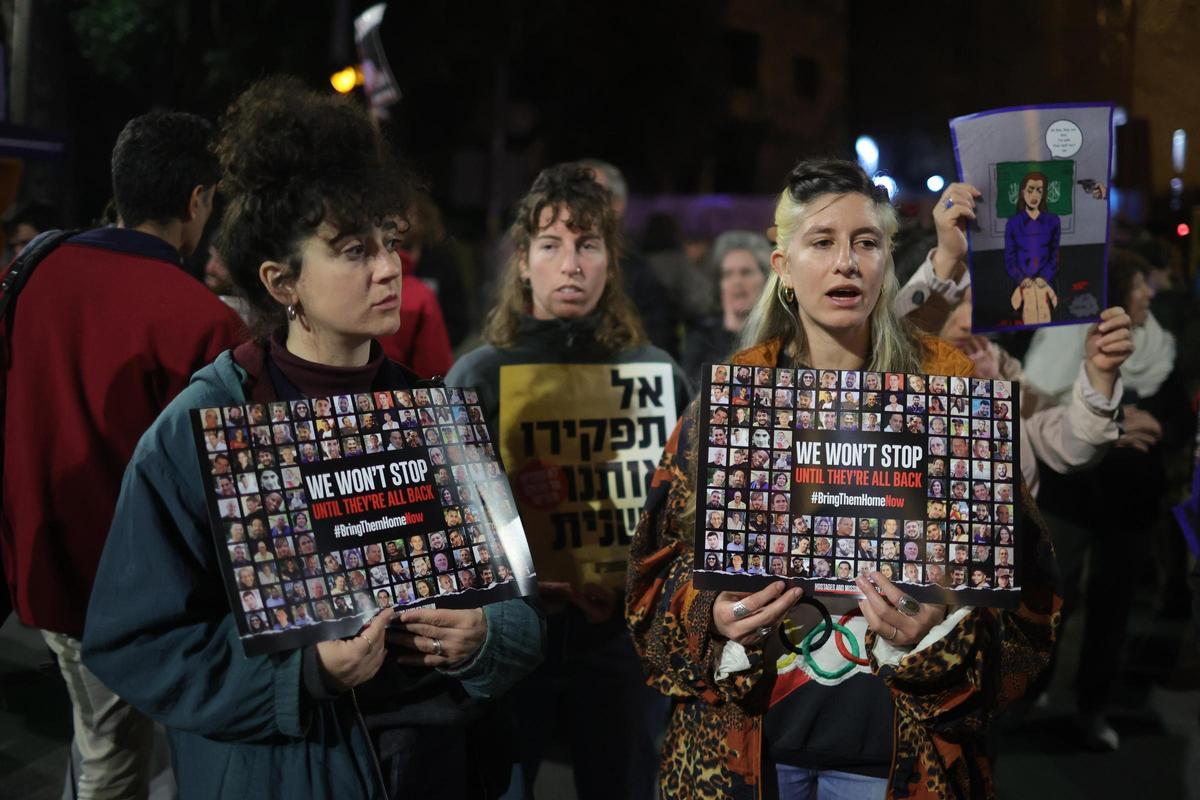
{"x": 691, "y": 98}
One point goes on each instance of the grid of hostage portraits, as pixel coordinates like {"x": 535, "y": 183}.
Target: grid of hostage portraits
{"x": 822, "y": 475}
{"x": 293, "y": 575}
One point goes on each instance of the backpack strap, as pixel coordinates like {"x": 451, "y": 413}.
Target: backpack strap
{"x": 11, "y": 284}
{"x": 18, "y": 275}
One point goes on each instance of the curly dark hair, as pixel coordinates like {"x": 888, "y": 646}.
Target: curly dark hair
{"x": 158, "y": 161}
{"x": 572, "y": 189}
{"x": 292, "y": 158}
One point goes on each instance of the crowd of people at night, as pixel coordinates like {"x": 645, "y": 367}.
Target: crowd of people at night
{"x": 284, "y": 252}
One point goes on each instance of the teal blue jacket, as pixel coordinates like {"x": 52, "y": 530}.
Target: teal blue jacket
{"x": 160, "y": 634}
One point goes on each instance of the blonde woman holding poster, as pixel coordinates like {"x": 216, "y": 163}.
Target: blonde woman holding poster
{"x": 580, "y": 406}
{"x": 750, "y": 718}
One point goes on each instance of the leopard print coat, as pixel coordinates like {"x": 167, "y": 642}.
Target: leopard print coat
{"x": 945, "y": 696}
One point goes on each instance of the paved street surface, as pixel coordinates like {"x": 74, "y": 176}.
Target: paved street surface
{"x": 1157, "y": 716}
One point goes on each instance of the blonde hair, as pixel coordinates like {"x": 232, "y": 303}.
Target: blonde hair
{"x": 566, "y": 189}
{"x": 895, "y": 343}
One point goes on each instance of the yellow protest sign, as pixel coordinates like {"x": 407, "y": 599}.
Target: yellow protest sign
{"x": 580, "y": 443}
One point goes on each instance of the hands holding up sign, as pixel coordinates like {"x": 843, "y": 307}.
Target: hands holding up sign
{"x": 438, "y": 637}
{"x": 895, "y": 615}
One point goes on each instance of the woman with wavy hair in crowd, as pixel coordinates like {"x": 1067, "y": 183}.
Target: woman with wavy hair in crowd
{"x": 310, "y": 237}
{"x": 912, "y": 719}
{"x": 562, "y": 306}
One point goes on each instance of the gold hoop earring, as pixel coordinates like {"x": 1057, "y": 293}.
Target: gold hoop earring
{"x": 787, "y": 294}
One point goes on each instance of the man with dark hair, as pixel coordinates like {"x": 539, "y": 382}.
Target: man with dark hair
{"x": 108, "y": 329}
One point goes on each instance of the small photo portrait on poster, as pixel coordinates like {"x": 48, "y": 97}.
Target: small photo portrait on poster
{"x": 235, "y": 532}
{"x": 935, "y": 574}
{"x": 889, "y": 549}
{"x": 911, "y": 573}
{"x": 798, "y": 567}
{"x": 822, "y": 568}
{"x": 867, "y": 527}
{"x": 870, "y": 421}
{"x": 257, "y": 623}
{"x": 981, "y": 577}
{"x": 935, "y": 552}
{"x": 214, "y": 441}
{"x": 220, "y": 464}
{"x": 266, "y": 573}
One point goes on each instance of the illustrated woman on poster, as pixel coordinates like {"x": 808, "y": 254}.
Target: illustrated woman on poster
{"x": 1031, "y": 241}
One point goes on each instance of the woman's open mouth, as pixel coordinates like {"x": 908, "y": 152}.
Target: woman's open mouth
{"x": 845, "y": 296}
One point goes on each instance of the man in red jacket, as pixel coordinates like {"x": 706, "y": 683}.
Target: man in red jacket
{"x": 108, "y": 329}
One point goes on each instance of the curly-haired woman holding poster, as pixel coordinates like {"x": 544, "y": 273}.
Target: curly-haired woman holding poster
{"x": 1031, "y": 239}
{"x": 310, "y": 238}
{"x": 749, "y": 718}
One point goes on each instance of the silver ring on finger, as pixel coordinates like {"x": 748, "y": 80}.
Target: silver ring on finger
{"x": 949, "y": 202}
{"x": 895, "y": 633}
{"x": 437, "y": 647}
{"x": 908, "y": 605}
{"x": 764, "y": 631}
{"x": 741, "y": 610}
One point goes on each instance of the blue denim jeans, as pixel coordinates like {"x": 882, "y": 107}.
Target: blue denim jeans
{"x": 798, "y": 783}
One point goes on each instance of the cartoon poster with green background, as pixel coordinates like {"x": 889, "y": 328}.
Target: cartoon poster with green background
{"x": 1038, "y": 250}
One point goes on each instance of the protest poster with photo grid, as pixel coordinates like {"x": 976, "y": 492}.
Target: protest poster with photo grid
{"x": 816, "y": 476}
{"x": 325, "y": 510}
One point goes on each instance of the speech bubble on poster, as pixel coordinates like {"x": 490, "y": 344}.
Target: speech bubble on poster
{"x": 1063, "y": 138}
